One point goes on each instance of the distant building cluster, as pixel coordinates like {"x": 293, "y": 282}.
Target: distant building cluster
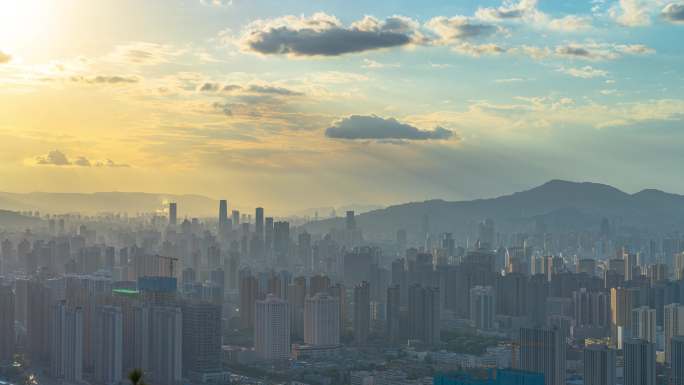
{"x": 253, "y": 299}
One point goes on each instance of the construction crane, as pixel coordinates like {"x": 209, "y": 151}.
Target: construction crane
{"x": 171, "y": 261}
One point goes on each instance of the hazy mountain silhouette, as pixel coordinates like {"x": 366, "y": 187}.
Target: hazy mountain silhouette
{"x": 99, "y": 202}
{"x": 558, "y": 204}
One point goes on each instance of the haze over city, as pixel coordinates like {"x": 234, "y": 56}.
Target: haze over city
{"x": 298, "y": 104}
{"x": 341, "y": 192}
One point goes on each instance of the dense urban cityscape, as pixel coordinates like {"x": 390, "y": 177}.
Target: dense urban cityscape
{"x": 341, "y": 192}
{"x": 245, "y": 298}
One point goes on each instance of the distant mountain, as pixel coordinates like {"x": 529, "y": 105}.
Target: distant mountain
{"x": 558, "y": 204}
{"x": 13, "y": 219}
{"x": 131, "y": 202}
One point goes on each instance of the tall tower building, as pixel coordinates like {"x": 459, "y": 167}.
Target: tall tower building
{"x": 640, "y": 362}
{"x": 249, "y": 289}
{"x": 66, "y": 342}
{"x": 482, "y": 307}
{"x": 361, "y": 313}
{"x": 673, "y": 325}
{"x": 166, "y": 344}
{"x": 296, "y": 297}
{"x": 259, "y": 222}
{"x": 108, "y": 345}
{"x": 393, "y": 318}
{"x": 543, "y": 351}
{"x": 424, "y": 314}
{"x": 622, "y": 301}
{"x": 201, "y": 338}
{"x": 644, "y": 324}
{"x": 272, "y": 329}
{"x": 173, "y": 213}
{"x": 235, "y": 214}
{"x": 223, "y": 216}
{"x": 350, "y": 221}
{"x": 7, "y": 341}
{"x": 268, "y": 236}
{"x": 677, "y": 352}
{"x": 599, "y": 365}
{"x": 322, "y": 320}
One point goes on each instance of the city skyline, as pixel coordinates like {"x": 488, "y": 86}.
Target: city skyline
{"x": 278, "y": 102}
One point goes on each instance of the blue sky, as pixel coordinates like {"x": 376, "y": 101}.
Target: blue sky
{"x": 306, "y": 103}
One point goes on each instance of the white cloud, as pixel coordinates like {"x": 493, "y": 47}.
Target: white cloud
{"x": 631, "y": 13}
{"x": 586, "y": 72}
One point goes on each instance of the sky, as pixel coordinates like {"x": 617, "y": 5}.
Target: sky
{"x": 296, "y": 104}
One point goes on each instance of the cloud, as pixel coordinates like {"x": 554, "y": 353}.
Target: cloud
{"x": 58, "y": 158}
{"x": 111, "y": 163}
{"x": 673, "y": 12}
{"x": 570, "y": 23}
{"x": 631, "y": 13}
{"x": 5, "y": 57}
{"x": 81, "y": 161}
{"x": 526, "y": 11}
{"x": 458, "y": 28}
{"x": 217, "y": 3}
{"x": 54, "y": 158}
{"x": 144, "y": 53}
{"x": 324, "y": 35}
{"x": 372, "y": 64}
{"x": 510, "y": 11}
{"x": 586, "y": 72}
{"x": 101, "y": 79}
{"x": 374, "y": 127}
{"x": 272, "y": 90}
{"x": 477, "y": 50}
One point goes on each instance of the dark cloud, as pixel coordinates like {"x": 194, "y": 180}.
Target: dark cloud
{"x": 100, "y": 79}
{"x": 231, "y": 87}
{"x": 324, "y": 35}
{"x": 54, "y": 158}
{"x": 5, "y": 58}
{"x": 674, "y": 12}
{"x": 210, "y": 87}
{"x": 573, "y": 51}
{"x": 272, "y": 90}
{"x": 225, "y": 108}
{"x": 82, "y": 161}
{"x": 377, "y": 128}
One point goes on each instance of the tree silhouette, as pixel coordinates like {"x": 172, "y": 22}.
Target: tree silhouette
{"x": 135, "y": 376}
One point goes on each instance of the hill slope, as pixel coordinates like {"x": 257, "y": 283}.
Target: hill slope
{"x": 559, "y": 204}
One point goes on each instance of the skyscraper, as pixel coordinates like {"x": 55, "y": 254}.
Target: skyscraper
{"x": 482, "y": 307}
{"x": 673, "y": 325}
{"x": 272, "y": 329}
{"x": 108, "y": 345}
{"x": 322, "y": 320}
{"x": 599, "y": 365}
{"x": 173, "y": 213}
{"x": 66, "y": 342}
{"x": 543, "y": 351}
{"x": 361, "y": 313}
{"x": 7, "y": 341}
{"x": 424, "y": 314}
{"x": 249, "y": 289}
{"x": 677, "y": 373}
{"x": 201, "y": 338}
{"x": 259, "y": 222}
{"x": 235, "y": 214}
{"x": 393, "y": 318}
{"x": 223, "y": 216}
{"x": 644, "y": 324}
{"x": 350, "y": 221}
{"x": 166, "y": 344}
{"x": 640, "y": 362}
